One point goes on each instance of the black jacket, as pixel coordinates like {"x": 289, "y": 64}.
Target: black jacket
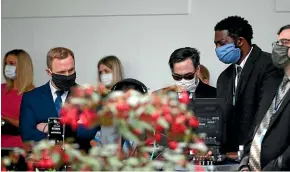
{"x": 275, "y": 148}
{"x": 239, "y": 118}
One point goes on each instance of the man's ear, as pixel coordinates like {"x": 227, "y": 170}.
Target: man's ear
{"x": 197, "y": 70}
{"x": 48, "y": 72}
{"x": 240, "y": 41}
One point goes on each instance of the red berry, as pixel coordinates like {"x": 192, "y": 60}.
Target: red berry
{"x": 193, "y": 122}
{"x": 90, "y": 90}
{"x": 137, "y": 132}
{"x": 159, "y": 128}
{"x": 184, "y": 98}
{"x": 123, "y": 107}
{"x": 172, "y": 145}
{"x": 166, "y": 109}
{"x": 49, "y": 163}
{"x": 149, "y": 142}
{"x": 168, "y": 118}
{"x": 155, "y": 116}
{"x": 157, "y": 137}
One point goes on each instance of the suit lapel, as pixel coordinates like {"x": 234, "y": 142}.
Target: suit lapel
{"x": 285, "y": 102}
{"x": 47, "y": 97}
{"x": 228, "y": 84}
{"x": 247, "y": 70}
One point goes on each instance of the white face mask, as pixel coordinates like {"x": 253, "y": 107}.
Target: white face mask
{"x": 106, "y": 79}
{"x": 10, "y": 71}
{"x": 188, "y": 85}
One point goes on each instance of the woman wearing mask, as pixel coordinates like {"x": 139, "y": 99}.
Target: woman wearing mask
{"x": 18, "y": 73}
{"x": 110, "y": 71}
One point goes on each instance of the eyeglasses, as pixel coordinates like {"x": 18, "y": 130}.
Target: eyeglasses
{"x": 187, "y": 76}
{"x": 282, "y": 42}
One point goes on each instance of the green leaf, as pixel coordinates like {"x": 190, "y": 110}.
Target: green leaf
{"x": 150, "y": 109}
{"x": 161, "y": 121}
{"x": 133, "y": 101}
{"x": 95, "y": 151}
{"x": 55, "y": 157}
{"x": 92, "y": 162}
{"x": 109, "y": 150}
{"x": 144, "y": 125}
{"x": 132, "y": 161}
{"x": 140, "y": 111}
{"x": 124, "y": 131}
{"x": 78, "y": 101}
{"x": 115, "y": 163}
{"x": 95, "y": 97}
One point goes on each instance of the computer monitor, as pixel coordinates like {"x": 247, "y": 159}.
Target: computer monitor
{"x": 210, "y": 115}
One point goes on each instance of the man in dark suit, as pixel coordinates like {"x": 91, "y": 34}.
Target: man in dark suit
{"x": 241, "y": 83}
{"x": 184, "y": 64}
{"x": 44, "y": 102}
{"x": 269, "y": 146}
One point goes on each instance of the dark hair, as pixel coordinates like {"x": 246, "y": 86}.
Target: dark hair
{"x": 236, "y": 27}
{"x": 130, "y": 83}
{"x": 283, "y": 28}
{"x": 182, "y": 54}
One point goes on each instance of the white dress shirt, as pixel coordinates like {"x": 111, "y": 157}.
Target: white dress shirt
{"x": 54, "y": 95}
{"x": 242, "y": 66}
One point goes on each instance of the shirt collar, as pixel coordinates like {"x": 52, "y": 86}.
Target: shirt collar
{"x": 53, "y": 89}
{"x": 245, "y": 60}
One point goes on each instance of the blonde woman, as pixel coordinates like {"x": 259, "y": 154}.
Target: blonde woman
{"x": 18, "y": 73}
{"x": 110, "y": 71}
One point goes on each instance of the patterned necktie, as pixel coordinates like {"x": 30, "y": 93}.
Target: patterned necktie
{"x": 58, "y": 101}
{"x": 255, "y": 151}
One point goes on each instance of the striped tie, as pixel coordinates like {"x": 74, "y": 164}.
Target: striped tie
{"x": 255, "y": 151}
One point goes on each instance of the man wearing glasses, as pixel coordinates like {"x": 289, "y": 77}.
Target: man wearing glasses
{"x": 184, "y": 64}
{"x": 241, "y": 83}
{"x": 269, "y": 147}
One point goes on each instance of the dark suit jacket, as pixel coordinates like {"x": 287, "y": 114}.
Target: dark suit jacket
{"x": 239, "y": 118}
{"x": 36, "y": 107}
{"x": 202, "y": 91}
{"x": 275, "y": 149}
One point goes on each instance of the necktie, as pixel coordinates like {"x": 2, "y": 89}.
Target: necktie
{"x": 58, "y": 101}
{"x": 236, "y": 83}
{"x": 255, "y": 151}
{"x": 239, "y": 71}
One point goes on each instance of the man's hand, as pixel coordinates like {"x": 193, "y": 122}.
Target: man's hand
{"x": 42, "y": 127}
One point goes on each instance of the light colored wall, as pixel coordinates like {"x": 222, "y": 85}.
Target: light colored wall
{"x": 142, "y": 35}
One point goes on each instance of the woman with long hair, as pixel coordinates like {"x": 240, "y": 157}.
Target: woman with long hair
{"x": 110, "y": 71}
{"x": 18, "y": 73}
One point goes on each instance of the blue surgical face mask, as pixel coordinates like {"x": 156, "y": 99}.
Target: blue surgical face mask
{"x": 10, "y": 71}
{"x": 228, "y": 53}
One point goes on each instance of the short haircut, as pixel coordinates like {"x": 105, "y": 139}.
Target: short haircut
{"x": 283, "y": 28}
{"x": 204, "y": 72}
{"x": 24, "y": 71}
{"x": 115, "y": 65}
{"x": 58, "y": 53}
{"x": 182, "y": 54}
{"x": 236, "y": 27}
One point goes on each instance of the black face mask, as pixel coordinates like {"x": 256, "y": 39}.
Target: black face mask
{"x": 63, "y": 82}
